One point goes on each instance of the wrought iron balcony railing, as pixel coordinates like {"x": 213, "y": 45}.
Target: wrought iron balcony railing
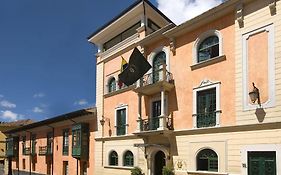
{"x": 156, "y": 76}
{"x": 150, "y": 124}
{"x": 26, "y": 151}
{"x": 206, "y": 119}
{"x": 45, "y": 150}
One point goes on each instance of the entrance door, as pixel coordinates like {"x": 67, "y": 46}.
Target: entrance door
{"x": 262, "y": 163}
{"x": 156, "y": 112}
{"x": 159, "y": 163}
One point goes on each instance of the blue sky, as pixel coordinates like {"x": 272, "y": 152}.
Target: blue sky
{"x": 47, "y": 66}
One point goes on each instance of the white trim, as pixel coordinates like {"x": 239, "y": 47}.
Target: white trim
{"x": 201, "y": 38}
{"x": 122, "y": 106}
{"x": 271, "y": 68}
{"x": 152, "y": 55}
{"x": 204, "y": 85}
{"x": 158, "y": 98}
{"x": 260, "y": 147}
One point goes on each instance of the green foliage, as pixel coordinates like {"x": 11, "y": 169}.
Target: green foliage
{"x": 167, "y": 170}
{"x": 136, "y": 171}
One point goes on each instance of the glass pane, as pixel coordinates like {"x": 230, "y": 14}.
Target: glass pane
{"x": 209, "y": 48}
{"x": 158, "y": 61}
{"x": 207, "y": 160}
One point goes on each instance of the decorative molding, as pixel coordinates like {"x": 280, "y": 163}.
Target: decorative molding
{"x": 240, "y": 15}
{"x": 173, "y": 46}
{"x": 205, "y": 85}
{"x": 271, "y": 68}
{"x": 201, "y": 38}
{"x": 272, "y": 7}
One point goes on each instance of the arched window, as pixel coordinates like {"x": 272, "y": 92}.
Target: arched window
{"x": 158, "y": 61}
{"x": 208, "y": 48}
{"x": 113, "y": 158}
{"x": 207, "y": 160}
{"x": 128, "y": 159}
{"x": 112, "y": 85}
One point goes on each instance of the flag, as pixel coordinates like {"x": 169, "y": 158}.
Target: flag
{"x": 124, "y": 65}
{"x": 135, "y": 69}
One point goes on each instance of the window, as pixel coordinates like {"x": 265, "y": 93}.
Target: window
{"x": 206, "y": 108}
{"x": 112, "y": 85}
{"x": 128, "y": 159}
{"x": 207, "y": 160}
{"x": 23, "y": 144}
{"x": 158, "y": 61}
{"x": 122, "y": 36}
{"x": 76, "y": 138}
{"x": 65, "y": 143}
{"x": 206, "y": 104}
{"x": 208, "y": 48}
{"x": 23, "y": 164}
{"x": 65, "y": 168}
{"x": 113, "y": 158}
{"x": 33, "y": 144}
{"x": 121, "y": 121}
{"x": 50, "y": 143}
{"x": 152, "y": 25}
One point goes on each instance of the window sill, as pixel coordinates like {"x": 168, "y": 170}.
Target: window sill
{"x": 208, "y": 62}
{"x": 206, "y": 172}
{"x": 119, "y": 91}
{"x": 119, "y": 167}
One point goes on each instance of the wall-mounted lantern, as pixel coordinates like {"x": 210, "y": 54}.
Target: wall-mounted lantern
{"x": 255, "y": 95}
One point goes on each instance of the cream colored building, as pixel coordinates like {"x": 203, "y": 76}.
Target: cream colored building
{"x": 192, "y": 109}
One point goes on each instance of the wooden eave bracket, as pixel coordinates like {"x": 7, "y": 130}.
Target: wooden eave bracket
{"x": 173, "y": 45}
{"x": 240, "y": 15}
{"x": 272, "y": 7}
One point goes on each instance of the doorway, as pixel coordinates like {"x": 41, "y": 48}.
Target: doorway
{"x": 262, "y": 162}
{"x": 159, "y": 163}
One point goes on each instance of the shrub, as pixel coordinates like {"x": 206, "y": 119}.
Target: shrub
{"x": 167, "y": 170}
{"x": 136, "y": 171}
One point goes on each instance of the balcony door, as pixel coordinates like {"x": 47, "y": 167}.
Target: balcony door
{"x": 158, "y": 61}
{"x": 156, "y": 112}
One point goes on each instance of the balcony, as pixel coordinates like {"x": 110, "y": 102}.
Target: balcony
{"x": 155, "y": 82}
{"x": 26, "y": 151}
{"x": 12, "y": 147}
{"x": 45, "y": 150}
{"x": 154, "y": 125}
{"x": 207, "y": 119}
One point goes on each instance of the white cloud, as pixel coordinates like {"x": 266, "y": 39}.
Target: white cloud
{"x": 81, "y": 102}
{"x": 37, "y": 110}
{"x": 39, "y": 95}
{"x": 10, "y": 116}
{"x": 7, "y": 104}
{"x": 182, "y": 10}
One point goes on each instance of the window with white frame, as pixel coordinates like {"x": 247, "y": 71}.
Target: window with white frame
{"x": 207, "y": 46}
{"x": 207, "y": 160}
{"x": 111, "y": 85}
{"x": 206, "y": 104}
{"x": 121, "y": 120}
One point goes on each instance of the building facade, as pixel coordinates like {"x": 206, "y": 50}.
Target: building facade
{"x": 62, "y": 145}
{"x": 193, "y": 109}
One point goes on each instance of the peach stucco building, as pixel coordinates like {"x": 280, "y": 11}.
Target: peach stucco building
{"x": 62, "y": 145}
{"x": 192, "y": 110}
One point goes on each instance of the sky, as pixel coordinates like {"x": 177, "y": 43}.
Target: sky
{"x": 47, "y": 66}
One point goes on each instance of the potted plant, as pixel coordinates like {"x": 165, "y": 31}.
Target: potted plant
{"x": 167, "y": 170}
{"x": 136, "y": 171}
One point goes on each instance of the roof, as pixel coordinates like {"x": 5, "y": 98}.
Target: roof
{"x": 59, "y": 118}
{"x": 17, "y": 123}
{"x": 126, "y": 11}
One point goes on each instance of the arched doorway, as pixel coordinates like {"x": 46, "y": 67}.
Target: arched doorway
{"x": 159, "y": 163}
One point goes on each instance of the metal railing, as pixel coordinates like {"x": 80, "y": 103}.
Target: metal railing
{"x": 207, "y": 119}
{"x": 152, "y": 123}
{"x": 45, "y": 150}
{"x": 156, "y": 76}
{"x": 26, "y": 151}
